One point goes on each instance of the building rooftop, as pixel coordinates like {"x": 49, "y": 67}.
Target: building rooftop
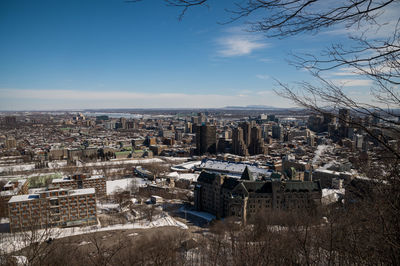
{"x": 12, "y": 187}
{"x": 233, "y": 167}
{"x": 74, "y": 192}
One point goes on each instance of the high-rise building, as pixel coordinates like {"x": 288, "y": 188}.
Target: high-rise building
{"x": 246, "y": 132}
{"x": 238, "y": 145}
{"x": 359, "y": 139}
{"x": 188, "y": 127}
{"x": 122, "y": 120}
{"x": 344, "y": 116}
{"x": 206, "y": 139}
{"x": 375, "y": 118}
{"x": 10, "y": 120}
{"x": 195, "y": 120}
{"x": 256, "y": 145}
{"x": 277, "y": 132}
{"x": 202, "y": 118}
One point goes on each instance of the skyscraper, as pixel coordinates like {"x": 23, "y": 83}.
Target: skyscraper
{"x": 246, "y": 132}
{"x": 256, "y": 141}
{"x": 277, "y": 132}
{"x": 238, "y": 145}
{"x": 206, "y": 139}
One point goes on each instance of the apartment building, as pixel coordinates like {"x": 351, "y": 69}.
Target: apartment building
{"x": 11, "y": 188}
{"x": 80, "y": 181}
{"x": 52, "y": 208}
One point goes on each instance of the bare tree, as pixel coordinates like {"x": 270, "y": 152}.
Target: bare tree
{"x": 121, "y": 197}
{"x": 104, "y": 253}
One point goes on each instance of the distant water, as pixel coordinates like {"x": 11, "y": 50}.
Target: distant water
{"x": 114, "y": 115}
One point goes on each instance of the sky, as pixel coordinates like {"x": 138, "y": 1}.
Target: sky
{"x": 112, "y": 54}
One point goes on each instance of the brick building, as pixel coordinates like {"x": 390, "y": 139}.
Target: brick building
{"x": 82, "y": 181}
{"x": 12, "y": 188}
{"x": 52, "y": 208}
{"x": 245, "y": 197}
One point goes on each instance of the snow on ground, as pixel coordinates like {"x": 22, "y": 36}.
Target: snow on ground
{"x": 205, "y": 215}
{"x": 21, "y": 260}
{"x": 321, "y": 149}
{"x": 56, "y": 164}
{"x": 127, "y": 161}
{"x": 331, "y": 195}
{"x": 124, "y": 184}
{"x": 175, "y": 159}
{"x": 16, "y": 168}
{"x": 84, "y": 243}
{"x": 13, "y": 242}
{"x": 30, "y": 175}
{"x": 107, "y": 206}
{"x": 29, "y": 166}
{"x": 108, "y": 171}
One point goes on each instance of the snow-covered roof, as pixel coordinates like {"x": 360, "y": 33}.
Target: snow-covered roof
{"x": 189, "y": 176}
{"x": 235, "y": 168}
{"x": 83, "y": 191}
{"x": 11, "y": 188}
{"x": 186, "y": 166}
{"x": 29, "y": 197}
{"x": 19, "y": 198}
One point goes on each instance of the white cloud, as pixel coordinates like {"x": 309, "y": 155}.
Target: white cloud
{"x": 239, "y": 45}
{"x": 346, "y": 71}
{"x": 352, "y": 82}
{"x": 264, "y": 93}
{"x": 261, "y": 76}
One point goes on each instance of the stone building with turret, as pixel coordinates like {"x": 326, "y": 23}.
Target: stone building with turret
{"x": 246, "y": 197}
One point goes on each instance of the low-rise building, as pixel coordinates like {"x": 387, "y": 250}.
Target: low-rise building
{"x": 12, "y": 188}
{"x": 326, "y": 177}
{"x": 52, "y": 208}
{"x": 82, "y": 181}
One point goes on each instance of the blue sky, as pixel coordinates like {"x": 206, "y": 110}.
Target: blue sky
{"x": 113, "y": 54}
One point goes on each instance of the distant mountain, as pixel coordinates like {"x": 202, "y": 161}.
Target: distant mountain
{"x": 258, "y": 107}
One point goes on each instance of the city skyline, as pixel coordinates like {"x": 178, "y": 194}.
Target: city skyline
{"x": 72, "y": 55}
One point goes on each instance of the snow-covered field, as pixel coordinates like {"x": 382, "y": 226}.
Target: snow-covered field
{"x": 122, "y": 162}
{"x": 29, "y": 166}
{"x": 16, "y": 168}
{"x": 175, "y": 159}
{"x": 58, "y": 164}
{"x": 13, "y": 242}
{"x": 124, "y": 184}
